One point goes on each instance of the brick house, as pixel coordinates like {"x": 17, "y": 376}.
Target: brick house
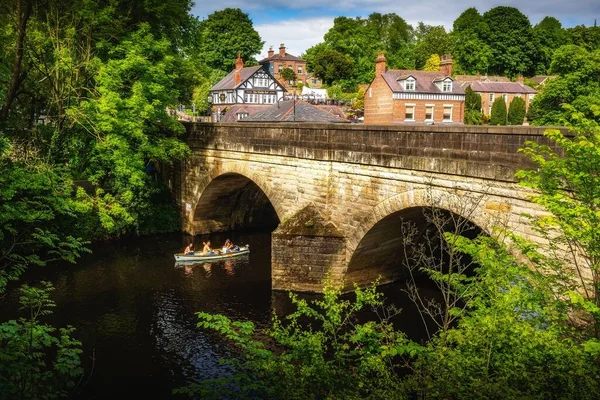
{"x": 250, "y": 85}
{"x": 410, "y": 96}
{"x": 275, "y": 63}
{"x": 490, "y": 91}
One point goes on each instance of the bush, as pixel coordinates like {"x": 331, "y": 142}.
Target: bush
{"x": 499, "y": 115}
{"x": 516, "y": 111}
{"x": 473, "y": 117}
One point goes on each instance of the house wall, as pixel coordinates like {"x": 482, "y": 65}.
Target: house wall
{"x": 399, "y": 110}
{"x": 486, "y": 104}
{"x": 378, "y": 103}
{"x": 290, "y": 64}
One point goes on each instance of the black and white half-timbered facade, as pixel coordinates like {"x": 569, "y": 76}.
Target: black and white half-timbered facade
{"x": 250, "y": 85}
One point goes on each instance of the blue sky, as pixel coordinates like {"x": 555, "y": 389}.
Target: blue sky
{"x": 300, "y": 24}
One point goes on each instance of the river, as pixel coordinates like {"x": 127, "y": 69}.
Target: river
{"x": 134, "y": 310}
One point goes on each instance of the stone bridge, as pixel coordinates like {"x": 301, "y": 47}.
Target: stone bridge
{"x": 334, "y": 195}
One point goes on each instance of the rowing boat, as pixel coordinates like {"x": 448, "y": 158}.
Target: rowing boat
{"x": 213, "y": 255}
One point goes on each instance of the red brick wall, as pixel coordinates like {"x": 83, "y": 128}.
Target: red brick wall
{"x": 399, "y": 110}
{"x": 378, "y": 102}
{"x": 290, "y": 64}
{"x": 486, "y": 103}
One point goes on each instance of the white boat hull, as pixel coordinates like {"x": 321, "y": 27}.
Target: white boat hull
{"x": 197, "y": 256}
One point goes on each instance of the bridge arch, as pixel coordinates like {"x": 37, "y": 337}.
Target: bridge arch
{"x": 228, "y": 197}
{"x": 378, "y": 244}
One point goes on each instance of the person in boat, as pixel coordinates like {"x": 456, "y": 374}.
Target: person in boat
{"x": 228, "y": 246}
{"x": 206, "y": 250}
{"x": 189, "y": 250}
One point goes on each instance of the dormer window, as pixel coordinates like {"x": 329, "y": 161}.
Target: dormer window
{"x": 447, "y": 86}
{"x": 409, "y": 84}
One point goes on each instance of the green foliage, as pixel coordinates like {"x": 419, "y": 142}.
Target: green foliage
{"x": 516, "y": 111}
{"x": 499, "y": 113}
{"x": 38, "y": 361}
{"x": 577, "y": 85}
{"x": 550, "y": 35}
{"x": 568, "y": 186}
{"x": 132, "y": 128}
{"x": 288, "y": 74}
{"x": 473, "y": 117}
{"x": 223, "y": 35}
{"x": 331, "y": 65}
{"x": 35, "y": 198}
{"x": 511, "y": 343}
{"x": 432, "y": 63}
{"x": 430, "y": 40}
{"x": 320, "y": 351}
{"x": 472, "y": 100}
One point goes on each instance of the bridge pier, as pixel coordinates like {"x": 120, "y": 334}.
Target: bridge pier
{"x": 304, "y": 250}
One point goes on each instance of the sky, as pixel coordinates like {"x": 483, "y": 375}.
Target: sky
{"x": 300, "y": 24}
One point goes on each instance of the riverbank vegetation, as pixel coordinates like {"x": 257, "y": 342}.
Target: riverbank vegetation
{"x": 85, "y": 89}
{"x": 518, "y": 323}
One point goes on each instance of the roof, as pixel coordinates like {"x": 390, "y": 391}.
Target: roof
{"x": 482, "y": 78}
{"x": 499, "y": 87}
{"x": 333, "y": 110}
{"x": 228, "y": 82}
{"x": 425, "y": 81}
{"x": 539, "y": 79}
{"x": 284, "y": 111}
{"x": 279, "y": 57}
{"x": 250, "y": 109}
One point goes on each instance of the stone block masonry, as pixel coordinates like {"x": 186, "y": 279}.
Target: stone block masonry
{"x": 332, "y": 186}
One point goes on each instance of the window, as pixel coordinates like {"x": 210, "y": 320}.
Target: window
{"x": 370, "y": 92}
{"x": 531, "y": 96}
{"x": 409, "y": 84}
{"x": 491, "y": 97}
{"x": 409, "y": 114}
{"x": 447, "y": 86}
{"x": 505, "y": 97}
{"x": 299, "y": 69}
{"x": 280, "y": 68}
{"x": 429, "y": 112}
{"x": 315, "y": 81}
{"x": 447, "y": 113}
{"x": 490, "y": 110}
{"x": 241, "y": 115}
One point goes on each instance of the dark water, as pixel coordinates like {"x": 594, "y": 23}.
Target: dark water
{"x": 134, "y": 310}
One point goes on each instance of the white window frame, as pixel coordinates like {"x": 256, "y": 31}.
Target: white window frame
{"x": 414, "y": 109}
{"x": 489, "y": 110}
{"x": 492, "y": 97}
{"x": 432, "y": 112}
{"x": 531, "y": 96}
{"x": 444, "y": 119}
{"x": 505, "y": 97}
{"x": 447, "y": 85}
{"x": 410, "y": 84}
{"x": 300, "y": 69}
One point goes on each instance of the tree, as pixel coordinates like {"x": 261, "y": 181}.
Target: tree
{"x": 516, "y": 111}
{"x": 473, "y": 114}
{"x": 430, "y": 40}
{"x": 433, "y": 63}
{"x": 550, "y": 35}
{"x": 567, "y": 184}
{"x": 498, "y": 116}
{"x": 288, "y": 74}
{"x": 331, "y": 65}
{"x": 511, "y": 41}
{"x": 223, "y": 35}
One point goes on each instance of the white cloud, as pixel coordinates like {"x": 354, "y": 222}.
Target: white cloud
{"x": 297, "y": 34}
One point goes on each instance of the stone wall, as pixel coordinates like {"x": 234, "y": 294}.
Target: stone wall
{"x": 351, "y": 178}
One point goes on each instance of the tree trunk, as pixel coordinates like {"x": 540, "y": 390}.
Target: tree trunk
{"x": 23, "y": 12}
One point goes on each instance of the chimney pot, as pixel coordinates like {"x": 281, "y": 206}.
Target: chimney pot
{"x": 282, "y": 50}
{"x": 446, "y": 65}
{"x": 271, "y": 51}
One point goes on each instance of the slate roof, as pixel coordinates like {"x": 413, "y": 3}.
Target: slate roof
{"x": 481, "y": 78}
{"x": 425, "y": 81}
{"x": 250, "y": 109}
{"x": 284, "y": 112}
{"x": 279, "y": 57}
{"x": 499, "y": 87}
{"x": 228, "y": 82}
{"x": 539, "y": 79}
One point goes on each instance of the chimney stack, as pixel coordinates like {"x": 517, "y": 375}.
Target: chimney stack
{"x": 380, "y": 65}
{"x": 237, "y": 75}
{"x": 520, "y": 79}
{"x": 446, "y": 65}
{"x": 271, "y": 52}
{"x": 282, "y": 50}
